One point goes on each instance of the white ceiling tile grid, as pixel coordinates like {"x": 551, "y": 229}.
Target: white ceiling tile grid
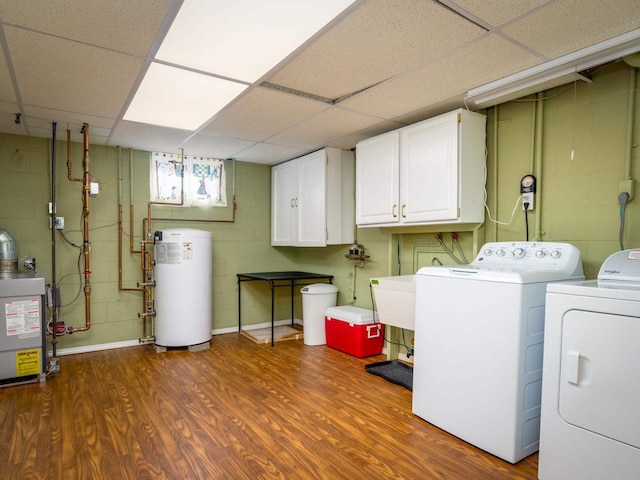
{"x": 372, "y": 68}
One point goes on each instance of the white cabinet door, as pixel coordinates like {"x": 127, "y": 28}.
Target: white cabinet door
{"x": 284, "y": 195}
{"x": 429, "y": 170}
{"x": 377, "y": 167}
{"x": 311, "y": 205}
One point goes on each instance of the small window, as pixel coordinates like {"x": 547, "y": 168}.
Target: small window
{"x": 203, "y": 179}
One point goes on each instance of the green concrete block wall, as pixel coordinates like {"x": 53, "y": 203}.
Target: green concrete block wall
{"x": 577, "y": 203}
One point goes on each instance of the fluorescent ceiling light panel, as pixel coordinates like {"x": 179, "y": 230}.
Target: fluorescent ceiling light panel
{"x": 243, "y": 39}
{"x": 172, "y": 97}
{"x": 572, "y": 63}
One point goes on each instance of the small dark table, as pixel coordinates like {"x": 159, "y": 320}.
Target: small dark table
{"x": 277, "y": 279}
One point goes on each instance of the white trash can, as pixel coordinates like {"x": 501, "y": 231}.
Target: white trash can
{"x": 316, "y": 298}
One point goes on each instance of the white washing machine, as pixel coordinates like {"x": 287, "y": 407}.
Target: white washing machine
{"x": 591, "y": 384}
{"x": 479, "y": 331}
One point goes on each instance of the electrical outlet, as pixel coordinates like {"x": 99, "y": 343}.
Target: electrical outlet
{"x": 627, "y": 186}
{"x": 59, "y": 223}
{"x": 528, "y": 199}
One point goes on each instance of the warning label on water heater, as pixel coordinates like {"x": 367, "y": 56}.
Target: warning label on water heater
{"x": 23, "y": 316}
{"x": 173, "y": 253}
{"x": 27, "y": 362}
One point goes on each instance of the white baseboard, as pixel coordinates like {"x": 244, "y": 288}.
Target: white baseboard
{"x": 132, "y": 343}
{"x": 255, "y": 326}
{"x": 95, "y": 348}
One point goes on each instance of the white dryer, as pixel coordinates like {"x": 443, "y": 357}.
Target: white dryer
{"x": 479, "y": 331}
{"x": 590, "y": 426}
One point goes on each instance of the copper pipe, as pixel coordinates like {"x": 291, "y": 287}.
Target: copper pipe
{"x": 120, "y": 287}
{"x": 131, "y": 228}
{"x": 69, "y": 159}
{"x": 86, "y": 189}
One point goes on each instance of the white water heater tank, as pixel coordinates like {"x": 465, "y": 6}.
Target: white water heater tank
{"x": 183, "y": 293}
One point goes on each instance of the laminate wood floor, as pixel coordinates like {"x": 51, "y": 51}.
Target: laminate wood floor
{"x": 237, "y": 411}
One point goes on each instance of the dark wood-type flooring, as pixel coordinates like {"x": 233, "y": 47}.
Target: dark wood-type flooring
{"x": 237, "y": 411}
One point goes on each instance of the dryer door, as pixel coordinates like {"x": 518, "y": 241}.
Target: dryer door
{"x": 599, "y": 383}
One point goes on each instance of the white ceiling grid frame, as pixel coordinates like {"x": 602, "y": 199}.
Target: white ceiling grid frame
{"x": 193, "y": 27}
{"x": 348, "y": 58}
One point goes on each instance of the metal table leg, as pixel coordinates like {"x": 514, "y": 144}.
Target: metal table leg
{"x": 239, "y": 307}
{"x": 292, "y": 294}
{"x": 272, "y": 313}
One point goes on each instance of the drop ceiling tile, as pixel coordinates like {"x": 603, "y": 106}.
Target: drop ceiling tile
{"x": 70, "y": 120}
{"x": 7, "y": 92}
{"x": 215, "y": 146}
{"x": 125, "y": 25}
{"x": 317, "y": 131}
{"x": 433, "y": 110}
{"x": 63, "y": 75}
{"x": 262, "y": 113}
{"x": 564, "y": 27}
{"x": 379, "y": 40}
{"x": 349, "y": 141}
{"x": 148, "y": 137}
{"x": 497, "y": 12}
{"x": 481, "y": 62}
{"x": 269, "y": 154}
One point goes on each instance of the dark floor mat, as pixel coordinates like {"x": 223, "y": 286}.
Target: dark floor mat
{"x": 393, "y": 371}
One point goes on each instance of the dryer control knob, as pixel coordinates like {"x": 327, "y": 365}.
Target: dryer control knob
{"x": 555, "y": 254}
{"x": 518, "y": 253}
{"x": 500, "y": 253}
{"x": 488, "y": 251}
{"x": 540, "y": 253}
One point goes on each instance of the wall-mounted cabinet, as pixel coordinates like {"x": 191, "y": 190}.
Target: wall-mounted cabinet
{"x": 429, "y": 173}
{"x": 312, "y": 200}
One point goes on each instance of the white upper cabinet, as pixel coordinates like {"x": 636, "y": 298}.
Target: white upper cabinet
{"x": 312, "y": 202}
{"x": 429, "y": 173}
{"x": 377, "y": 177}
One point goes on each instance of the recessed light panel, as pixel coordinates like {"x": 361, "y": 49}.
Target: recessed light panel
{"x": 243, "y": 39}
{"x": 172, "y": 97}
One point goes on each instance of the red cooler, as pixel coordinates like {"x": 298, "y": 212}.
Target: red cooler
{"x": 353, "y": 331}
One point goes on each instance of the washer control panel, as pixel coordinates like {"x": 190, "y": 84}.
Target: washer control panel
{"x": 548, "y": 255}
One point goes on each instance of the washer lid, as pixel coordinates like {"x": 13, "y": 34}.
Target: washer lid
{"x": 491, "y": 273}
{"x": 622, "y": 266}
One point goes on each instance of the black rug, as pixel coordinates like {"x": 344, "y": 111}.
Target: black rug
{"x": 393, "y": 371}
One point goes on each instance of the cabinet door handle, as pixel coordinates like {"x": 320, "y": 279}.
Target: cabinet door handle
{"x": 404, "y": 215}
{"x": 395, "y": 207}
{"x": 292, "y": 205}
